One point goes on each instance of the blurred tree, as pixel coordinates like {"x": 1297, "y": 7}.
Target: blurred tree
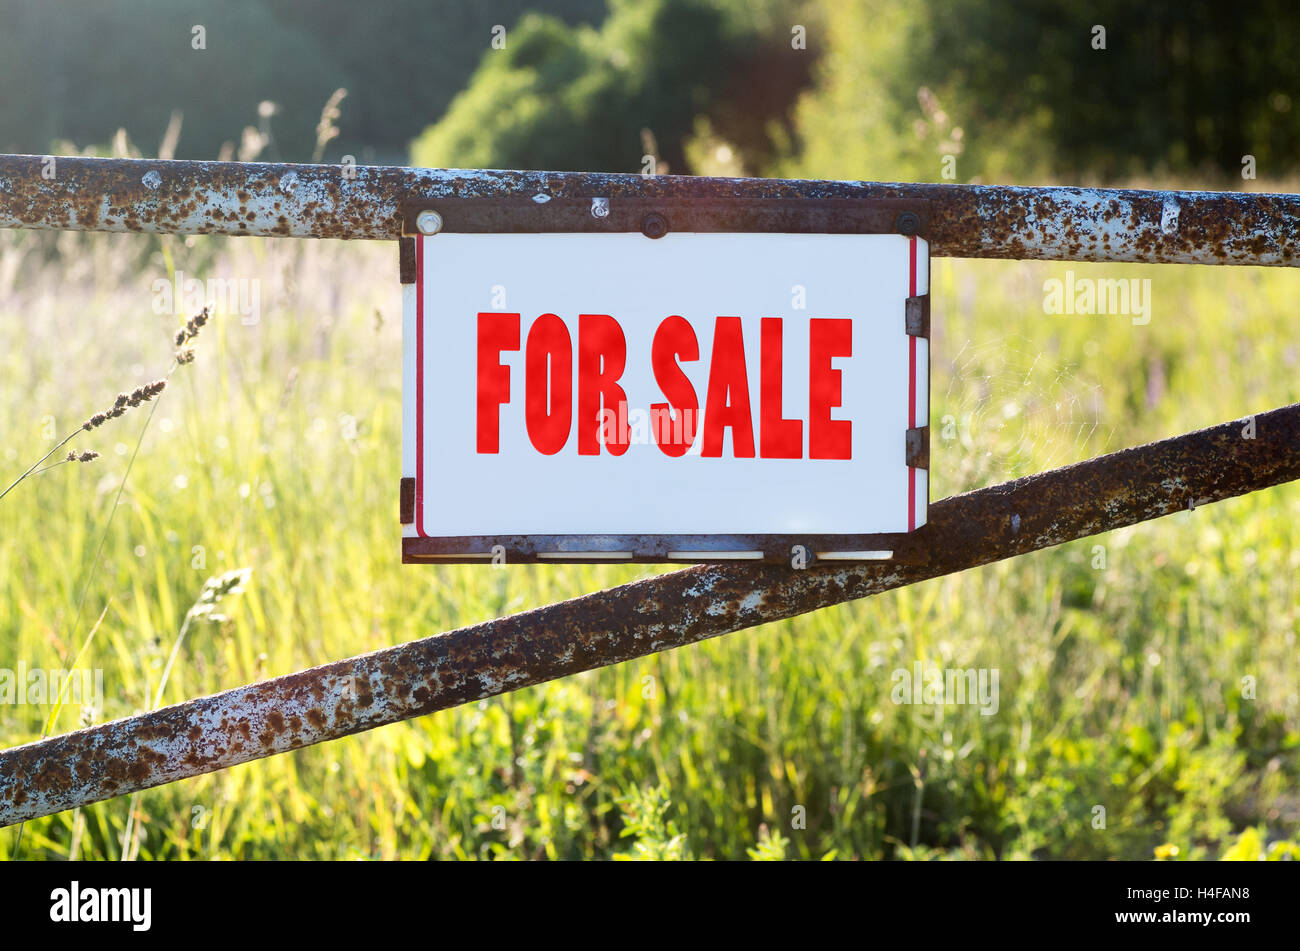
{"x": 603, "y": 100}
{"x": 1188, "y": 86}
{"x": 1097, "y": 90}
{"x": 408, "y": 58}
{"x": 928, "y": 89}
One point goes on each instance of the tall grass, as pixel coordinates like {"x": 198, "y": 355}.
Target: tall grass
{"x": 1121, "y": 686}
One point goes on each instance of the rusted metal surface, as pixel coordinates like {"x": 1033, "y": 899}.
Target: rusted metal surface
{"x": 667, "y": 611}
{"x": 332, "y": 201}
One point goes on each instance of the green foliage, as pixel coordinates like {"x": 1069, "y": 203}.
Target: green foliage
{"x": 891, "y": 89}
{"x": 1215, "y": 79}
{"x": 557, "y": 97}
{"x": 657, "y": 838}
{"x": 771, "y": 846}
{"x": 1033, "y": 99}
{"x": 409, "y": 58}
{"x": 1250, "y": 847}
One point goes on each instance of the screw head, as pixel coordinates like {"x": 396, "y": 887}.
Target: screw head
{"x": 428, "y": 222}
{"x": 654, "y": 226}
{"x": 907, "y": 223}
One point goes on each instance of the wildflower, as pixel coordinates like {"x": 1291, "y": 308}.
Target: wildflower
{"x": 86, "y": 456}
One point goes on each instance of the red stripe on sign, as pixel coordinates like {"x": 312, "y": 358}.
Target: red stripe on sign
{"x": 419, "y": 385}
{"x": 911, "y": 388}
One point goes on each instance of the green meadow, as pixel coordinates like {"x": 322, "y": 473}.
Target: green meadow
{"x": 1148, "y": 678}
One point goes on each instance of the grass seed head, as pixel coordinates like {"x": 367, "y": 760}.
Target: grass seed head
{"x": 125, "y": 401}
{"x": 193, "y": 326}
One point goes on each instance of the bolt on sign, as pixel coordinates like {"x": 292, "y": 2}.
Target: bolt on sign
{"x": 657, "y": 381}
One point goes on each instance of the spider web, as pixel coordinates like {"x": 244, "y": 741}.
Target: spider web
{"x": 1004, "y": 408}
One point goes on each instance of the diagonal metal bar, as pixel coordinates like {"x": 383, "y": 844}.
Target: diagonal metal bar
{"x": 335, "y": 201}
{"x": 608, "y": 627}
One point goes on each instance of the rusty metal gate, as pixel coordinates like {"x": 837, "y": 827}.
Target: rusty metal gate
{"x": 685, "y": 606}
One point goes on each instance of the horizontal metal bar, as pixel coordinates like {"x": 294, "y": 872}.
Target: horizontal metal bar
{"x": 335, "y": 201}
{"x": 619, "y": 624}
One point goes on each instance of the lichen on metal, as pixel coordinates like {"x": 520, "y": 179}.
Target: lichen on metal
{"x": 619, "y": 624}
{"x": 363, "y": 202}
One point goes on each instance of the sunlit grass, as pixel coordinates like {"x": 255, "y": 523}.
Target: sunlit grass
{"x": 1121, "y": 686}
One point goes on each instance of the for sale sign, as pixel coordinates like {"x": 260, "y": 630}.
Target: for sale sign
{"x": 695, "y": 397}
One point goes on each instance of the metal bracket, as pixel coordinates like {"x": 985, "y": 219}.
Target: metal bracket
{"x": 406, "y": 260}
{"x": 918, "y": 447}
{"x": 406, "y": 515}
{"x": 917, "y": 316}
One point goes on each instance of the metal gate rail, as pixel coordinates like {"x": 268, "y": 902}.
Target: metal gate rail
{"x": 619, "y": 624}
{"x": 363, "y": 202}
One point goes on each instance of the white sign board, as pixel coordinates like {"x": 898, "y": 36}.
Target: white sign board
{"x": 699, "y": 384}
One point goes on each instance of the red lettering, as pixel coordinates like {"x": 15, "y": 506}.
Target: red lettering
{"x": 548, "y": 367}
{"x": 602, "y": 354}
{"x": 674, "y": 340}
{"x": 827, "y": 438}
{"x": 727, "y": 403}
{"x": 779, "y": 438}
{"x": 496, "y": 332}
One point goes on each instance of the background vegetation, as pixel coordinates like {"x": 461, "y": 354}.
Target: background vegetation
{"x": 1121, "y": 657}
